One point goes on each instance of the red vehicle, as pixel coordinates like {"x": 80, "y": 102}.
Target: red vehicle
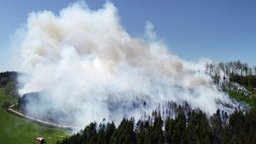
{"x": 40, "y": 140}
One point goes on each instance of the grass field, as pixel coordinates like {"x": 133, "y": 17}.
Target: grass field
{"x": 15, "y": 130}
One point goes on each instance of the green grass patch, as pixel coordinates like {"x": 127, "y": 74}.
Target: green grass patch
{"x": 241, "y": 97}
{"x": 15, "y": 130}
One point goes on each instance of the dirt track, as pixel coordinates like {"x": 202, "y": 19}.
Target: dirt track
{"x": 38, "y": 121}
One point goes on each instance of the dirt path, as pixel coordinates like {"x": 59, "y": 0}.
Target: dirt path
{"x": 38, "y": 121}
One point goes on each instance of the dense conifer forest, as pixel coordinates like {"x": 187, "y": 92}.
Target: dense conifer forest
{"x": 189, "y": 126}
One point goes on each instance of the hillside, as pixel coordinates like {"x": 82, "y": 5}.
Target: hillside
{"x": 14, "y": 129}
{"x": 237, "y": 79}
{"x": 172, "y": 123}
{"x": 189, "y": 126}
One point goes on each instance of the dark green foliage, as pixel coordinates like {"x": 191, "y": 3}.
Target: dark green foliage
{"x": 187, "y": 128}
{"x": 198, "y": 129}
{"x": 141, "y": 130}
{"x": 246, "y": 81}
{"x": 8, "y": 81}
{"x": 6, "y": 104}
{"x": 110, "y": 129}
{"x": 175, "y": 128}
{"x": 156, "y": 135}
{"x": 216, "y": 126}
{"x": 124, "y": 134}
{"x": 7, "y": 77}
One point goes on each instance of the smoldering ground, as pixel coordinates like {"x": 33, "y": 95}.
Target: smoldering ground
{"x": 89, "y": 69}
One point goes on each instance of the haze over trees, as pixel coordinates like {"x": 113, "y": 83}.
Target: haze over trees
{"x": 177, "y": 123}
{"x": 237, "y": 79}
{"x": 191, "y": 128}
{"x": 188, "y": 126}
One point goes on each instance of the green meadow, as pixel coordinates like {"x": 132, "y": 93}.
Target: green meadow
{"x": 15, "y": 130}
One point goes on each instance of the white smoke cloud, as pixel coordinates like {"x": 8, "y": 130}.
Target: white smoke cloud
{"x": 90, "y": 68}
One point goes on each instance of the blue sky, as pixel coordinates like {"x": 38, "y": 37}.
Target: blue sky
{"x": 221, "y": 30}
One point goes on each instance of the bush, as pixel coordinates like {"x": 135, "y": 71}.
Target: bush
{"x": 6, "y": 105}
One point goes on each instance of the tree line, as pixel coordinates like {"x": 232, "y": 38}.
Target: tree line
{"x": 8, "y": 81}
{"x": 193, "y": 127}
{"x": 232, "y": 67}
{"x": 187, "y": 126}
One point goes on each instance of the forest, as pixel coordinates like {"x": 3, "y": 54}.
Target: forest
{"x": 189, "y": 126}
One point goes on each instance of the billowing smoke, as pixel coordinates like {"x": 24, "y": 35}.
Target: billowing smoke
{"x": 88, "y": 68}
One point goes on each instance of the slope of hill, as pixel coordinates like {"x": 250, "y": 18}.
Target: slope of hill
{"x": 187, "y": 127}
{"x": 15, "y": 130}
{"x": 237, "y": 79}
{"x": 157, "y": 128}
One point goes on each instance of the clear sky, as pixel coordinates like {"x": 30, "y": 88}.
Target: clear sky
{"x": 221, "y": 30}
